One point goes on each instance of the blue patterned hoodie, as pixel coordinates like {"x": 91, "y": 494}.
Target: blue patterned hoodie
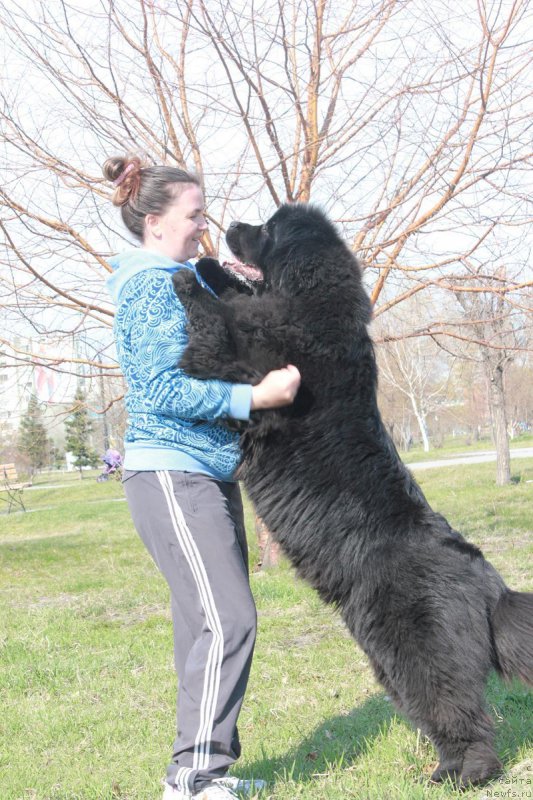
{"x": 172, "y": 418}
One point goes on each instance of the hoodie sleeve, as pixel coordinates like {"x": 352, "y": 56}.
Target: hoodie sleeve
{"x": 157, "y": 339}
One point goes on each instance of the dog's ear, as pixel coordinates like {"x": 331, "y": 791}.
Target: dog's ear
{"x": 301, "y": 275}
{"x": 309, "y": 275}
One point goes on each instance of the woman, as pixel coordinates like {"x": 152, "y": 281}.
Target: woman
{"x": 178, "y": 473}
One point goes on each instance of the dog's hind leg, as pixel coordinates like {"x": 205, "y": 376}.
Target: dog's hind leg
{"x": 480, "y": 763}
{"x": 439, "y": 686}
{"x": 465, "y": 762}
{"x": 450, "y": 752}
{"x": 462, "y": 736}
{"x": 461, "y": 731}
{"x": 459, "y": 761}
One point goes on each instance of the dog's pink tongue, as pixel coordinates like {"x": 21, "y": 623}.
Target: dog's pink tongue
{"x": 247, "y": 271}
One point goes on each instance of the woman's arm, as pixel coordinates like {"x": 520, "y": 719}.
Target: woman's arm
{"x": 158, "y": 336}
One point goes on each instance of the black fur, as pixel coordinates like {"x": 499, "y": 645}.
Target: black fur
{"x": 431, "y": 613}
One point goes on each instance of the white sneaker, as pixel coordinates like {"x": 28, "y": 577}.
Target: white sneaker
{"x": 215, "y": 791}
{"x": 173, "y": 793}
{"x": 219, "y": 789}
{"x": 240, "y": 785}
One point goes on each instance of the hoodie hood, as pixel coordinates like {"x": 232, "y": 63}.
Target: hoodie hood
{"x": 126, "y": 265}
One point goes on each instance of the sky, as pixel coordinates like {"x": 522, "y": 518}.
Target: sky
{"x": 349, "y": 186}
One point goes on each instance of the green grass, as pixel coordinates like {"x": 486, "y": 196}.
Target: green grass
{"x": 87, "y": 685}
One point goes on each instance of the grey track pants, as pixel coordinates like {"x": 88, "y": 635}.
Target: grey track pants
{"x": 193, "y": 527}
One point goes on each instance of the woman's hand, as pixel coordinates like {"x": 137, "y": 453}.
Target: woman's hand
{"x": 278, "y": 388}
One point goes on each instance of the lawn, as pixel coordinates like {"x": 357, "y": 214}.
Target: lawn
{"x": 87, "y": 684}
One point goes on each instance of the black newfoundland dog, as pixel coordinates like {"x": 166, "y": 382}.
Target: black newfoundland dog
{"x": 432, "y": 615}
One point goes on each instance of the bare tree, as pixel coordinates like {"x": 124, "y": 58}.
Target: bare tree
{"x": 407, "y": 122}
{"x": 499, "y": 335}
{"x": 411, "y": 366}
{"x": 520, "y": 397}
{"x": 473, "y": 412}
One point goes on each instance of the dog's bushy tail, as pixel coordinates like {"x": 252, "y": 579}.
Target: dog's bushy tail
{"x": 512, "y": 624}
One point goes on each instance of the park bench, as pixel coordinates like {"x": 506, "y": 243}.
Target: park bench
{"x": 12, "y": 487}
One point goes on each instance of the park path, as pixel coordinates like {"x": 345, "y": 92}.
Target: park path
{"x": 479, "y": 457}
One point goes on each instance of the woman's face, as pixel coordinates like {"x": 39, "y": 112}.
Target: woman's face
{"x": 177, "y": 232}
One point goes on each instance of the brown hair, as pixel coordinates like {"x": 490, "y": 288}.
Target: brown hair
{"x": 141, "y": 189}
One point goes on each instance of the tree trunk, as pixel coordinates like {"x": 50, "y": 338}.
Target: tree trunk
{"x": 499, "y": 426}
{"x": 269, "y": 550}
{"x": 421, "y": 423}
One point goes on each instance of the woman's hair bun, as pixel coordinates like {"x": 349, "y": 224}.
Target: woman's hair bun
{"x": 113, "y": 167}
{"x": 125, "y": 174}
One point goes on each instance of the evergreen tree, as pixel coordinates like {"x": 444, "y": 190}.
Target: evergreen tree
{"x": 33, "y": 443}
{"x": 79, "y": 428}
{"x": 57, "y": 456}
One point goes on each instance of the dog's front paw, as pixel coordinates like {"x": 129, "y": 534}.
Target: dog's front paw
{"x": 210, "y": 271}
{"x": 185, "y": 285}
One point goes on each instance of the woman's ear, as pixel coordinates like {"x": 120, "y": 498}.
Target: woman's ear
{"x": 152, "y": 225}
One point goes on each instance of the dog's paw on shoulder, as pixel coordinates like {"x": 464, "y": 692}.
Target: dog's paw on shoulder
{"x": 214, "y": 275}
{"x": 221, "y": 279}
{"x": 185, "y": 285}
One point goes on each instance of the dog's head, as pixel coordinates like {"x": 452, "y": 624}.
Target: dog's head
{"x": 289, "y": 248}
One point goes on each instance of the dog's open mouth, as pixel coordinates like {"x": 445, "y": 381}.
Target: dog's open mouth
{"x": 246, "y": 271}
